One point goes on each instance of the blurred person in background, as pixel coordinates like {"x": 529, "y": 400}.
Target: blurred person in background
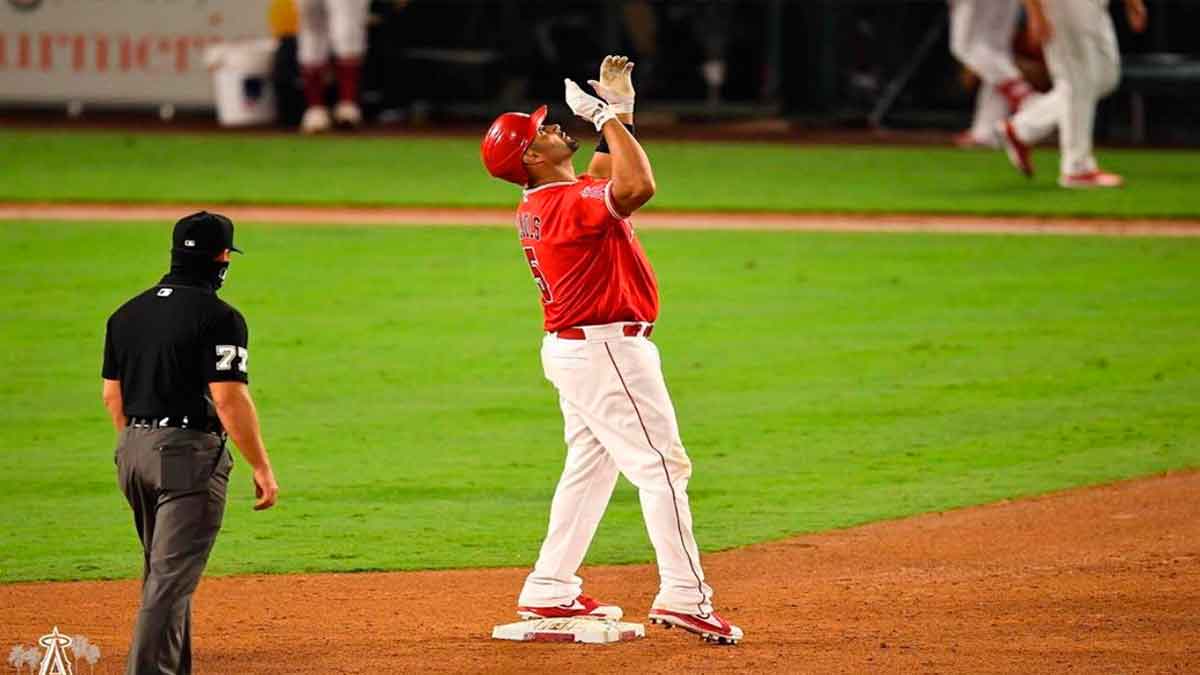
{"x": 338, "y": 27}
{"x": 285, "y": 69}
{"x": 1081, "y": 49}
{"x": 390, "y": 82}
{"x": 713, "y": 23}
{"x": 981, "y": 37}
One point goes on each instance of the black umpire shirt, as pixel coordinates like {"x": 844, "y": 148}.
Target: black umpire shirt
{"x": 165, "y": 346}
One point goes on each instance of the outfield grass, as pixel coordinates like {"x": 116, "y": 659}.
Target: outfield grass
{"x": 821, "y": 381}
{"x": 215, "y": 169}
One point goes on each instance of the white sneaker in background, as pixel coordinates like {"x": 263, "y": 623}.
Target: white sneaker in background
{"x": 316, "y": 120}
{"x": 347, "y": 114}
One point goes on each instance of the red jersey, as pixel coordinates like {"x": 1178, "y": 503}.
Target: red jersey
{"x": 586, "y": 259}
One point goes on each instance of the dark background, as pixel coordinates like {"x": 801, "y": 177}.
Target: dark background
{"x": 823, "y": 62}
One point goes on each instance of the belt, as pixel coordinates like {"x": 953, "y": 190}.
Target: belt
{"x": 167, "y": 422}
{"x": 630, "y": 330}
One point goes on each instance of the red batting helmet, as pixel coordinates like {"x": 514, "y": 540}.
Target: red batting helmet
{"x": 506, "y": 142}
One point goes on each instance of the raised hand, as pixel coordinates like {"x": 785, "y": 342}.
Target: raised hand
{"x": 616, "y": 83}
{"x": 587, "y": 106}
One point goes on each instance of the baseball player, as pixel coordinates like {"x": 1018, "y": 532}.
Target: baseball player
{"x": 1085, "y": 65}
{"x": 339, "y": 26}
{"x": 175, "y": 374}
{"x": 981, "y": 36}
{"x": 600, "y": 300}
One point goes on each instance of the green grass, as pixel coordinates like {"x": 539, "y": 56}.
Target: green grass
{"x": 821, "y": 381}
{"x": 218, "y": 169}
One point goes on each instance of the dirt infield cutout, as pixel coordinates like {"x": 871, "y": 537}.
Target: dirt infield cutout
{"x": 1096, "y": 580}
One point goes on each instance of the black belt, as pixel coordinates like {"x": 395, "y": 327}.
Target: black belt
{"x": 207, "y": 425}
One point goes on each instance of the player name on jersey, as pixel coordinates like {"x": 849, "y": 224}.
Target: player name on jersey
{"x": 529, "y": 226}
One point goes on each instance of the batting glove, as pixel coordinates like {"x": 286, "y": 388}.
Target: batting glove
{"x": 587, "y": 106}
{"x": 616, "y": 83}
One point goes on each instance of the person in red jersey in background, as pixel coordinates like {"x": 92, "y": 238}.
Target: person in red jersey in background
{"x": 600, "y": 301}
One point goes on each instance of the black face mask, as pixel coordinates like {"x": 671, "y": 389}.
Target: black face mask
{"x": 190, "y": 267}
{"x": 219, "y": 277}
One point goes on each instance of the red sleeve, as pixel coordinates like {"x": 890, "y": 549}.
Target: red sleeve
{"x": 594, "y": 207}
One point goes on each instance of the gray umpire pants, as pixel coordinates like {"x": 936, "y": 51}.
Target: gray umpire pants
{"x": 175, "y": 481}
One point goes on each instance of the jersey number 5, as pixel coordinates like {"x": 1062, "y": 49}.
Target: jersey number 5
{"x": 538, "y": 277}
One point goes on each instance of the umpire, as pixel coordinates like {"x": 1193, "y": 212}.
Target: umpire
{"x": 175, "y": 383}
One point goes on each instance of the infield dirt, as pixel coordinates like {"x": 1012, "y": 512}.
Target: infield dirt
{"x": 1097, "y": 580}
{"x": 673, "y": 220}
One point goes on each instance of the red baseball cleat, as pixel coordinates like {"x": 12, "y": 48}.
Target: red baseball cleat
{"x": 1018, "y": 152}
{"x": 583, "y": 607}
{"x": 1091, "y": 179}
{"x": 710, "y": 627}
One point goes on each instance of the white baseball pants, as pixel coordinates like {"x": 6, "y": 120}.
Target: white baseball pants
{"x": 990, "y": 109}
{"x": 325, "y": 25}
{"x": 981, "y": 35}
{"x": 1085, "y": 64}
{"x": 618, "y": 418}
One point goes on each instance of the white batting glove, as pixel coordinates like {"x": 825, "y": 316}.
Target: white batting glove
{"x": 616, "y": 83}
{"x": 587, "y": 106}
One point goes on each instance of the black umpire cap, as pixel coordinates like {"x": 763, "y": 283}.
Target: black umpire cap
{"x": 204, "y": 232}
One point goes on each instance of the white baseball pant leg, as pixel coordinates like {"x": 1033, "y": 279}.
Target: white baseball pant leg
{"x": 587, "y": 482}
{"x": 312, "y": 37}
{"x": 348, "y": 27}
{"x": 981, "y": 34}
{"x": 990, "y": 108}
{"x": 615, "y": 401}
{"x": 331, "y": 26}
{"x": 1085, "y": 64}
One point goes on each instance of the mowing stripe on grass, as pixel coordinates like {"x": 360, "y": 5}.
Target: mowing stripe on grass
{"x": 414, "y": 217}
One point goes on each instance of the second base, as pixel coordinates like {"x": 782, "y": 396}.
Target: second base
{"x": 591, "y": 631}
